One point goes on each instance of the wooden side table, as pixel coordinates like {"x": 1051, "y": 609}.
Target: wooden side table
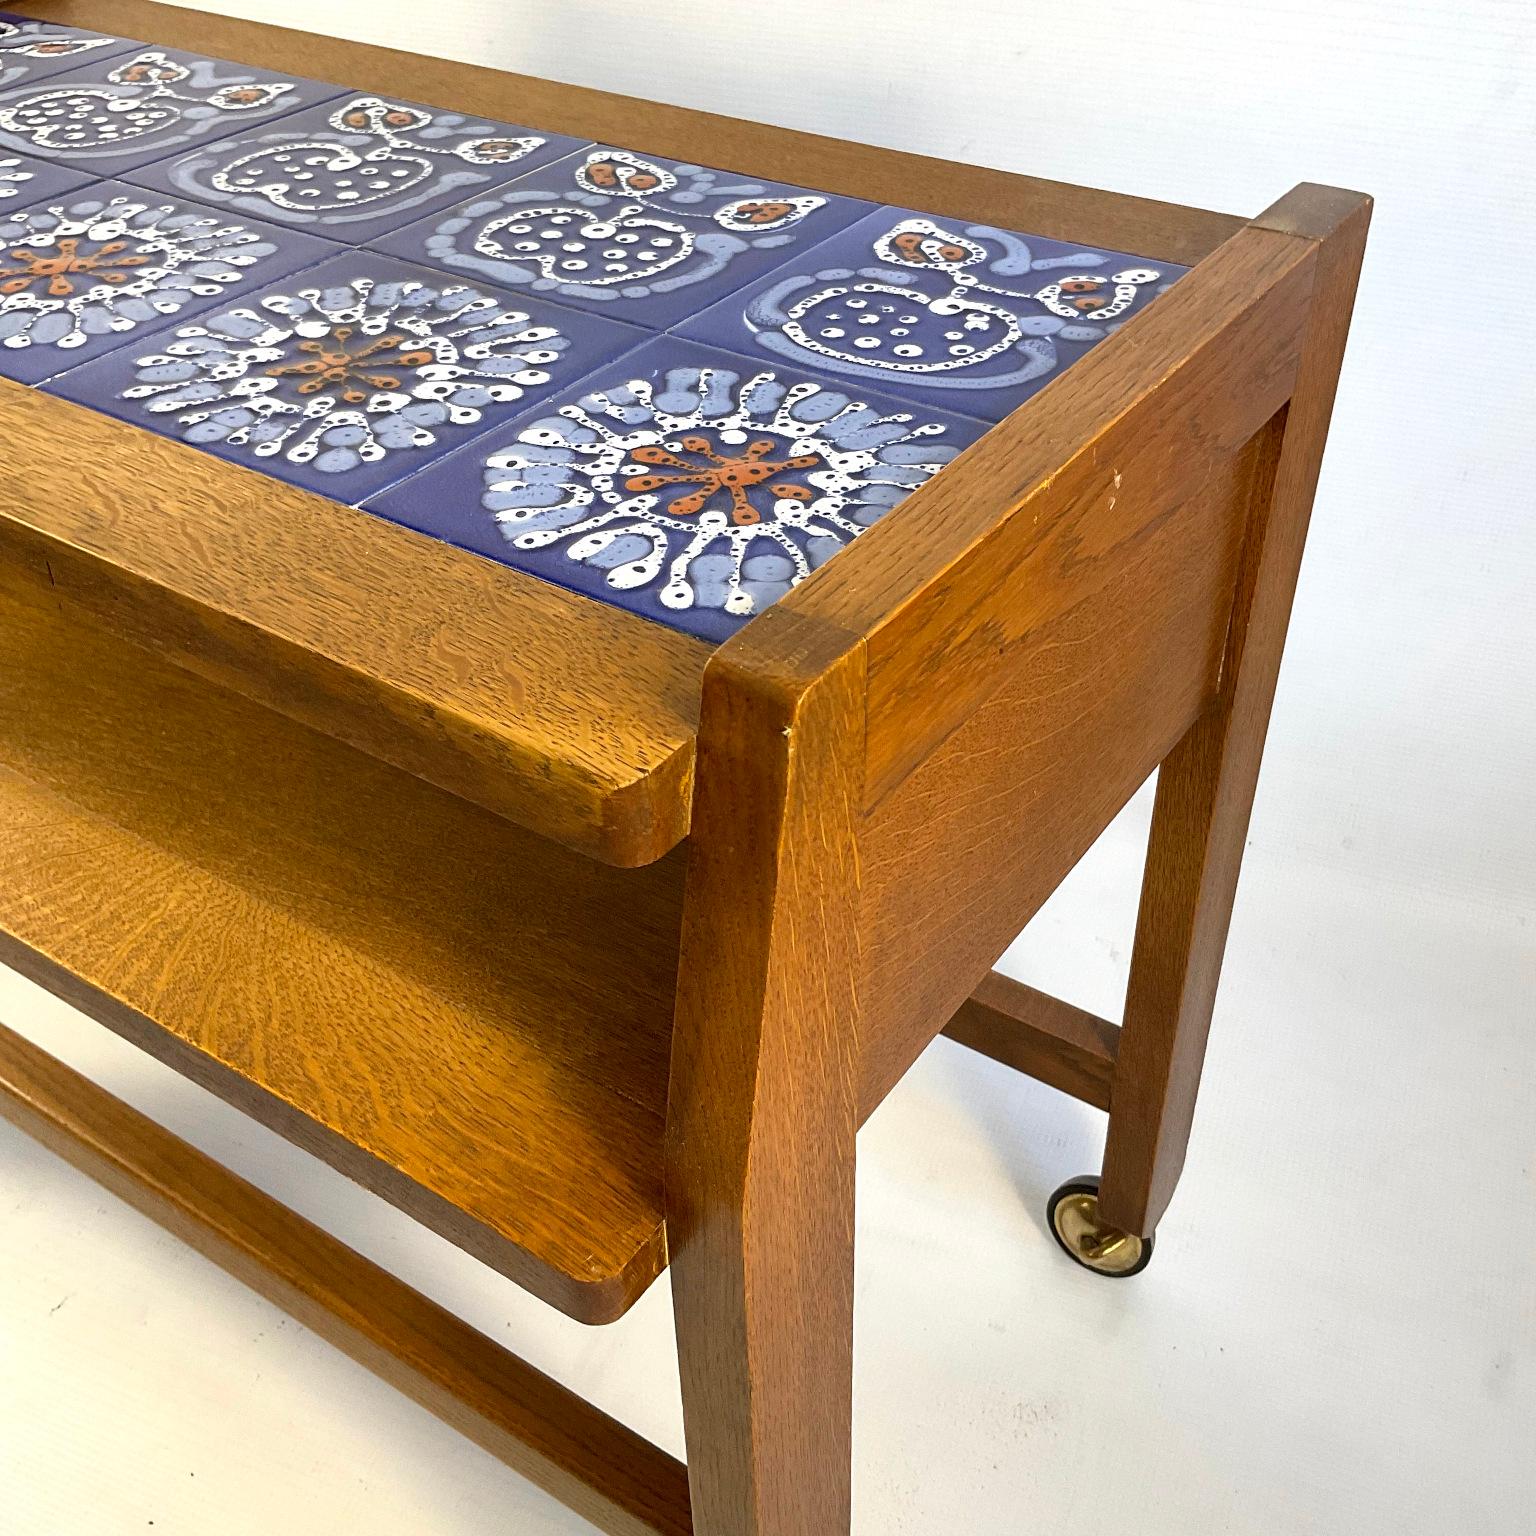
{"x": 589, "y": 944}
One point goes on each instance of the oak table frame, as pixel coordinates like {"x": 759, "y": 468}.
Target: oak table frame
{"x": 747, "y": 886}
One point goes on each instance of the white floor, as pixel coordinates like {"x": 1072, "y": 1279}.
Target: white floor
{"x": 1336, "y": 1334}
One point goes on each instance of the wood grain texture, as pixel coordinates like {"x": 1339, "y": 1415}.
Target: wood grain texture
{"x": 1032, "y": 1032}
{"x": 1164, "y": 231}
{"x": 1206, "y": 788}
{"x": 760, "y": 1138}
{"x": 577, "y": 1454}
{"x": 1032, "y": 519}
{"x": 962, "y": 853}
{"x": 470, "y": 1021}
{"x": 487, "y": 683}
{"x": 566, "y": 715}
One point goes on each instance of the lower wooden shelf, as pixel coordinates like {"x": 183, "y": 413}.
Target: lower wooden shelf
{"x": 468, "y": 1019}
{"x": 599, "y": 1467}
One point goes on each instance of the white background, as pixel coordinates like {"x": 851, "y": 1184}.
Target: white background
{"x": 1337, "y": 1332}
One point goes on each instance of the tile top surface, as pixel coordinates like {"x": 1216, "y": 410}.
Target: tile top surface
{"x": 116, "y": 114}
{"x": 25, "y": 180}
{"x": 31, "y": 49}
{"x": 102, "y": 266}
{"x": 963, "y": 315}
{"x": 350, "y": 375}
{"x": 635, "y": 236}
{"x": 684, "y": 484}
{"x": 674, "y": 388}
{"x": 359, "y": 167}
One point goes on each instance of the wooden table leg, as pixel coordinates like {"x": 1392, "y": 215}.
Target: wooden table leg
{"x": 1206, "y": 787}
{"x": 762, "y": 1118}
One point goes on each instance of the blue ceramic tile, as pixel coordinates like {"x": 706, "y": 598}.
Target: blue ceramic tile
{"x": 33, "y": 50}
{"x": 961, "y": 315}
{"x": 358, "y": 168}
{"x": 647, "y": 240}
{"x": 121, "y": 113}
{"x": 349, "y": 376}
{"x": 24, "y": 180}
{"x": 687, "y": 485}
{"x": 101, "y": 267}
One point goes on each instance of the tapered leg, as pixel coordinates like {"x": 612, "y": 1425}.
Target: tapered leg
{"x": 762, "y": 1115}
{"x": 1198, "y": 824}
{"x": 764, "y": 1306}
{"x": 1205, "y": 788}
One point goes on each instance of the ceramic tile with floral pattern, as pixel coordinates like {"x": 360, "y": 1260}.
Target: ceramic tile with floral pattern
{"x": 687, "y": 485}
{"x": 348, "y": 376}
{"x": 108, "y": 264}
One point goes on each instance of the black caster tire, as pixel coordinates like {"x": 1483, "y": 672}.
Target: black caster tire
{"x": 1072, "y": 1214}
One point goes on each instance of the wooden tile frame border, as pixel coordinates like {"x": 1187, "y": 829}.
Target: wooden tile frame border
{"x": 494, "y": 685}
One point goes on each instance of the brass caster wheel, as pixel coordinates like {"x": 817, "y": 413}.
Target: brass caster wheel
{"x": 1073, "y": 1214}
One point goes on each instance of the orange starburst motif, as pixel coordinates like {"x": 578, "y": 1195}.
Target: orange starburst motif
{"x": 735, "y": 476}
{"x": 62, "y": 271}
{"x": 332, "y": 361}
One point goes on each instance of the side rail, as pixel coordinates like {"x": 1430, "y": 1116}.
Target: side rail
{"x": 1046, "y": 620}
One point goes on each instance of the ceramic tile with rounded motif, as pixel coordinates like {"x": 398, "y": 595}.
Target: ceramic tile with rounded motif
{"x": 31, "y": 49}
{"x": 116, "y": 114}
{"x": 634, "y": 236}
{"x": 358, "y": 168}
{"x": 961, "y": 315}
